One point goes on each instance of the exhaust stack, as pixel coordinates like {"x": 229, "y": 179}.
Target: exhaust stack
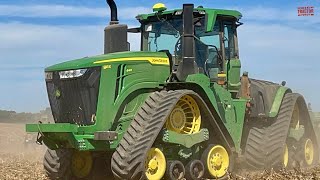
{"x": 115, "y": 34}
{"x": 188, "y": 65}
{"x": 113, "y": 11}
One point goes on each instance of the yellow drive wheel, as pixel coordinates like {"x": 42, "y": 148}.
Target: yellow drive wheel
{"x": 81, "y": 163}
{"x": 155, "y": 164}
{"x": 185, "y": 117}
{"x": 216, "y": 160}
{"x": 285, "y": 156}
{"x": 308, "y": 151}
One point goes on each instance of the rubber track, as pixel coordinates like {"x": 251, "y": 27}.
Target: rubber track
{"x": 265, "y": 145}
{"x": 57, "y": 163}
{"x": 128, "y": 160}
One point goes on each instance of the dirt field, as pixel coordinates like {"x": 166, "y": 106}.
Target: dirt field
{"x": 19, "y": 160}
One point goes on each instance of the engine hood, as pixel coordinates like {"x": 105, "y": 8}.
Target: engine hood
{"x": 156, "y": 58}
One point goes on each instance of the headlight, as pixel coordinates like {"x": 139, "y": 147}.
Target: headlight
{"x": 49, "y": 75}
{"x": 72, "y": 73}
{"x": 178, "y": 13}
{"x": 202, "y": 12}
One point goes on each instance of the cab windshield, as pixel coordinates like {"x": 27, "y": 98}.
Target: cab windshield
{"x": 166, "y": 35}
{"x": 162, "y": 35}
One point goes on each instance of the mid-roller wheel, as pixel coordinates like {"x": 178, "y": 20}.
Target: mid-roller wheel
{"x": 175, "y": 170}
{"x": 194, "y": 170}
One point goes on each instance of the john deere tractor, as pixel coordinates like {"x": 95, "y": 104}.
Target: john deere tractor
{"x": 179, "y": 108}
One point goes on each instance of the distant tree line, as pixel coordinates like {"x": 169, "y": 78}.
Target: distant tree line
{"x": 23, "y": 117}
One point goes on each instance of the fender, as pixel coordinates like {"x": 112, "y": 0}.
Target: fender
{"x": 214, "y": 102}
{"x": 278, "y": 100}
{"x": 266, "y": 97}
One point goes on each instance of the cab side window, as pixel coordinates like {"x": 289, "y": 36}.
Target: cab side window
{"x": 228, "y": 38}
{"x": 207, "y": 48}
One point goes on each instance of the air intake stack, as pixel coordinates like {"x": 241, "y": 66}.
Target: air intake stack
{"x": 188, "y": 65}
{"x": 115, "y": 34}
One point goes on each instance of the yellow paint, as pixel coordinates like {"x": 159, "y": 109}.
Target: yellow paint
{"x": 155, "y": 164}
{"x": 185, "y": 118}
{"x": 308, "y": 152}
{"x": 285, "y": 156}
{"x": 218, "y": 161}
{"x": 152, "y": 60}
{"x": 159, "y": 6}
{"x": 222, "y": 75}
{"x": 81, "y": 163}
{"x": 107, "y": 67}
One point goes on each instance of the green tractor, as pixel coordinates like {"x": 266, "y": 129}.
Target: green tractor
{"x": 178, "y": 108}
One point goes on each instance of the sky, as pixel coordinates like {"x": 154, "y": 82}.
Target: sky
{"x": 275, "y": 43}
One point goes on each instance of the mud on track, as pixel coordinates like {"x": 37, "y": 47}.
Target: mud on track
{"x": 23, "y": 161}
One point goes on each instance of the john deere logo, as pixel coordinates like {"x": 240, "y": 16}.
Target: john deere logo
{"x": 57, "y": 93}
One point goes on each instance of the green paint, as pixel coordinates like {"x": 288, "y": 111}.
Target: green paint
{"x": 211, "y": 20}
{"x": 231, "y": 111}
{"x": 117, "y": 105}
{"x": 236, "y": 128}
{"x": 75, "y": 141}
{"x": 138, "y": 80}
{"x": 277, "y": 101}
{"x": 211, "y": 14}
{"x": 57, "y": 93}
{"x": 186, "y": 140}
{"x": 89, "y": 61}
{"x": 233, "y": 75}
{"x": 125, "y": 85}
{"x": 59, "y": 127}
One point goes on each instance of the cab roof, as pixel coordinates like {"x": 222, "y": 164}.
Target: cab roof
{"x": 211, "y": 14}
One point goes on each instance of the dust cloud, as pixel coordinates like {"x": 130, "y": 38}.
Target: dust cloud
{"x": 20, "y": 157}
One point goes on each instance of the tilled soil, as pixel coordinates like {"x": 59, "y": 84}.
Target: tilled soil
{"x": 17, "y": 167}
{"x": 19, "y": 159}
{"x": 23, "y": 161}
{"x": 29, "y": 167}
{"x": 296, "y": 174}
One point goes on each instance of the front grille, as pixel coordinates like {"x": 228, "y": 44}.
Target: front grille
{"x": 74, "y": 100}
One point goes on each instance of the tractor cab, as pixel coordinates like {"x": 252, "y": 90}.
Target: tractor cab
{"x": 213, "y": 33}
